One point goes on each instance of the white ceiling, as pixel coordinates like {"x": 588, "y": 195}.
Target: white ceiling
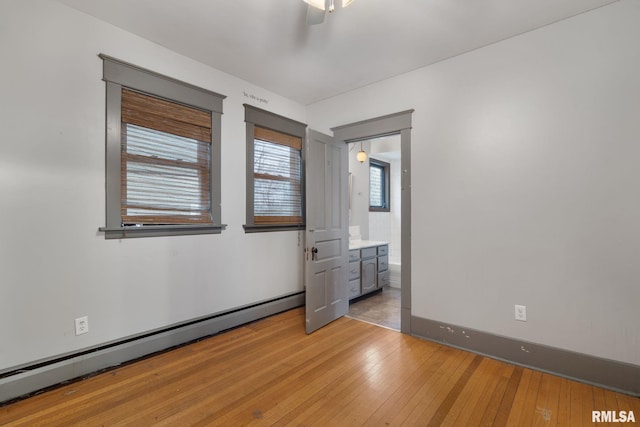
{"x": 268, "y": 43}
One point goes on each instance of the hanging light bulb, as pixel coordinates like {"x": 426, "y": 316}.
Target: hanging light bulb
{"x": 361, "y": 156}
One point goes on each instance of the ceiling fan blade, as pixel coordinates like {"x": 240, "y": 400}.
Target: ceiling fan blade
{"x": 315, "y": 16}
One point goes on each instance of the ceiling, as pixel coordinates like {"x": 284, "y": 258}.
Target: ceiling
{"x": 268, "y": 43}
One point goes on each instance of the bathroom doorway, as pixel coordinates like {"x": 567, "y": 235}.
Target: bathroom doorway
{"x": 375, "y": 225}
{"x": 392, "y": 124}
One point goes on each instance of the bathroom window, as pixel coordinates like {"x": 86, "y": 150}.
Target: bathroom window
{"x": 378, "y": 186}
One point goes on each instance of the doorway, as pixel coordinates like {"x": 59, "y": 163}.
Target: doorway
{"x": 375, "y": 219}
{"x": 398, "y": 124}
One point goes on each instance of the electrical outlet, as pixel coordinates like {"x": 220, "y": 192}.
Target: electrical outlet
{"x": 521, "y": 313}
{"x": 82, "y": 325}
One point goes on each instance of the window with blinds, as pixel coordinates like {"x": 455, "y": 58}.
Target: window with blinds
{"x": 165, "y": 165}
{"x": 378, "y": 185}
{"x": 277, "y": 178}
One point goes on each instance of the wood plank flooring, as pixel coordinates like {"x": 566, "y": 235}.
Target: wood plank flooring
{"x": 349, "y": 373}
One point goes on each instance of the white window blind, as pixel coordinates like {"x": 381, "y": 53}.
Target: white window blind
{"x": 277, "y": 177}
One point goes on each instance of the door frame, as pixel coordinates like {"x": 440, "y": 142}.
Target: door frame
{"x": 392, "y": 124}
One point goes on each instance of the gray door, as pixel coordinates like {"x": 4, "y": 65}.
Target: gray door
{"x": 326, "y": 246}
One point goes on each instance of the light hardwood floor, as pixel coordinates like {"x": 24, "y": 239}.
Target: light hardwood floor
{"x": 349, "y": 373}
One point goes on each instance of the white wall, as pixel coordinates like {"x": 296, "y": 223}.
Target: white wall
{"x": 525, "y": 180}
{"x": 359, "y": 204}
{"x": 378, "y": 226}
{"x": 386, "y": 226}
{"x": 525, "y": 177}
{"x": 54, "y": 264}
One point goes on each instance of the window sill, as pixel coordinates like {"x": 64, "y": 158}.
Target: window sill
{"x": 267, "y": 228}
{"x": 160, "y": 230}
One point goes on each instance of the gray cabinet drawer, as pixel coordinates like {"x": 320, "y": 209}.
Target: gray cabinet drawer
{"x": 368, "y": 253}
{"x": 354, "y": 288}
{"x": 383, "y": 250}
{"x": 384, "y": 278}
{"x": 354, "y": 255}
{"x": 383, "y": 263}
{"x": 354, "y": 270}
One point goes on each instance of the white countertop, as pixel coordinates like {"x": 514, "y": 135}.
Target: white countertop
{"x": 359, "y": 244}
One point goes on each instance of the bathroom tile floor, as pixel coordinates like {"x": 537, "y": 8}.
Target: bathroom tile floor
{"x": 382, "y": 308}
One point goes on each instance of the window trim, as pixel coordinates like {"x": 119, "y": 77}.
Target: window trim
{"x": 386, "y": 193}
{"x": 255, "y": 116}
{"x": 118, "y": 75}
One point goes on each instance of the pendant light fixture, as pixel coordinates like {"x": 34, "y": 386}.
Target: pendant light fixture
{"x": 361, "y": 156}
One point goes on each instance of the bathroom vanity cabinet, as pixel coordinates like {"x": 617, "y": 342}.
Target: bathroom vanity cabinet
{"x": 368, "y": 267}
